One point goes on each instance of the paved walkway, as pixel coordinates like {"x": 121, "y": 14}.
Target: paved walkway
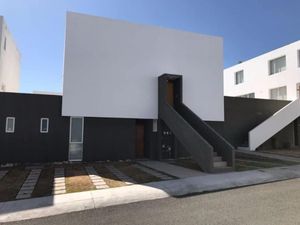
{"x": 59, "y": 186}
{"x": 270, "y": 155}
{"x": 97, "y": 181}
{"x": 28, "y": 186}
{"x": 122, "y": 176}
{"x": 60, "y": 204}
{"x": 173, "y": 170}
{"x": 152, "y": 172}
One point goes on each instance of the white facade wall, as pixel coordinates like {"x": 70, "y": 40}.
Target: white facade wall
{"x": 9, "y": 61}
{"x": 111, "y": 69}
{"x": 257, "y": 78}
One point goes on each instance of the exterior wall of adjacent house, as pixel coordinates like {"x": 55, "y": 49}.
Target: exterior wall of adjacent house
{"x": 257, "y": 78}
{"x": 111, "y": 69}
{"x": 9, "y": 60}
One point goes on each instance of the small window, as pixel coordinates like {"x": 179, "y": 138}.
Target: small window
{"x": 239, "y": 77}
{"x": 10, "y": 125}
{"x": 278, "y": 93}
{"x": 44, "y": 125}
{"x": 277, "y": 65}
{"x": 250, "y": 95}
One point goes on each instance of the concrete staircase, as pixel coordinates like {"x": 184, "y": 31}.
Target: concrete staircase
{"x": 273, "y": 124}
{"x": 207, "y": 147}
{"x": 219, "y": 164}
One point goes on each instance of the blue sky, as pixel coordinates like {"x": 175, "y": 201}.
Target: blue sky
{"x": 249, "y": 28}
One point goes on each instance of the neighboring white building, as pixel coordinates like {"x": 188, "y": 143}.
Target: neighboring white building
{"x": 9, "y": 60}
{"x": 111, "y": 69}
{"x": 273, "y": 75}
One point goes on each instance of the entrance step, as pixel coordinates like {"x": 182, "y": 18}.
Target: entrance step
{"x": 220, "y": 164}
{"x": 245, "y": 148}
{"x": 217, "y": 158}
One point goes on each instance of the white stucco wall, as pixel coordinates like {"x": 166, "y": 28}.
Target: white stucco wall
{"x": 111, "y": 68}
{"x": 9, "y": 61}
{"x": 257, "y": 78}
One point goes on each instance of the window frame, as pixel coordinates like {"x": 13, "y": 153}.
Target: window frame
{"x": 236, "y": 76}
{"x": 41, "y": 125}
{"x": 270, "y": 68}
{"x": 247, "y": 95}
{"x": 82, "y": 130}
{"x": 6, "y": 124}
{"x": 278, "y": 88}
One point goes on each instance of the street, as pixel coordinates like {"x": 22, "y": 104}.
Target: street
{"x": 273, "y": 203}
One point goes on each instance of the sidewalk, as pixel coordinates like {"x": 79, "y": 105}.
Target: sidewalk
{"x": 54, "y": 205}
{"x": 176, "y": 171}
{"x": 270, "y": 156}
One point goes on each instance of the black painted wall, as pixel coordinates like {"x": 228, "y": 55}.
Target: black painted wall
{"x": 113, "y": 139}
{"x": 27, "y": 144}
{"x": 108, "y": 139}
{"x": 243, "y": 114}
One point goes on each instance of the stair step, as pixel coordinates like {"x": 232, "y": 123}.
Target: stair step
{"x": 215, "y": 154}
{"x": 222, "y": 169}
{"x": 243, "y": 148}
{"x": 220, "y": 164}
{"x": 217, "y": 158}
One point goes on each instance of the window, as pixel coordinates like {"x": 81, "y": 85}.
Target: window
{"x": 239, "y": 77}
{"x": 250, "y": 95}
{"x": 278, "y": 93}
{"x": 10, "y": 125}
{"x": 44, "y": 125}
{"x": 277, "y": 65}
{"x": 4, "y": 46}
{"x": 76, "y": 130}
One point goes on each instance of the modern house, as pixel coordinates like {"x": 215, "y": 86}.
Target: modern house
{"x": 273, "y": 75}
{"x": 133, "y": 91}
{"x": 9, "y": 60}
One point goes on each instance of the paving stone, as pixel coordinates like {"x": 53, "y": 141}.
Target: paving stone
{"x": 29, "y": 184}
{"x": 58, "y": 192}
{"x": 21, "y": 196}
{"x": 59, "y": 184}
{"x": 101, "y": 186}
{"x": 97, "y": 181}
{"x": 59, "y": 189}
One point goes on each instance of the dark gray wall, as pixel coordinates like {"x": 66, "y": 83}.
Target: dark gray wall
{"x": 243, "y": 114}
{"x": 108, "y": 139}
{"x": 27, "y": 144}
{"x": 104, "y": 138}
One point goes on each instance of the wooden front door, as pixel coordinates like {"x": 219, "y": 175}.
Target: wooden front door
{"x": 170, "y": 92}
{"x": 140, "y": 136}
